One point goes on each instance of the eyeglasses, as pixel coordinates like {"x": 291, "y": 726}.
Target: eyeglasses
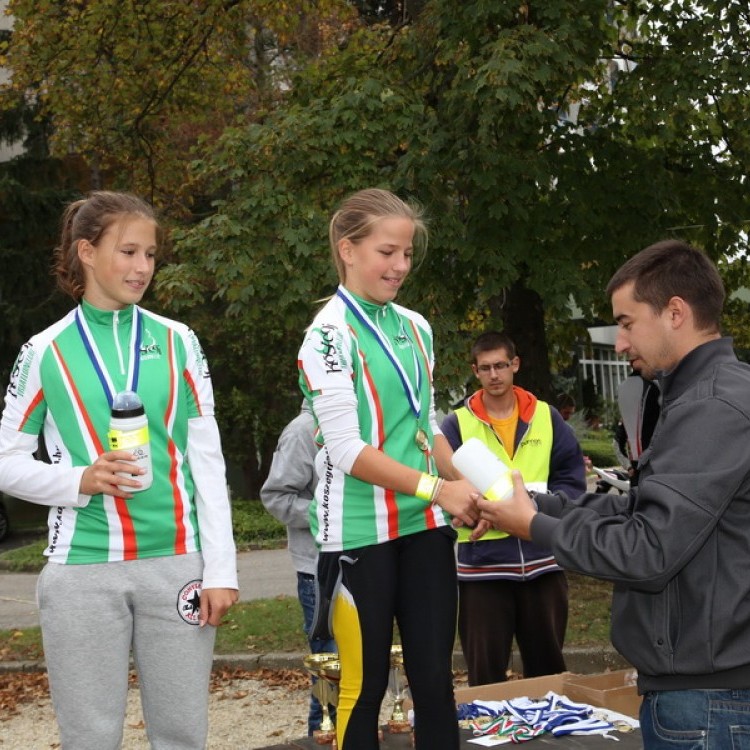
{"x": 499, "y": 366}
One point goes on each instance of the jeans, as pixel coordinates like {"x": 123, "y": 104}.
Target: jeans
{"x": 306, "y": 595}
{"x": 696, "y": 720}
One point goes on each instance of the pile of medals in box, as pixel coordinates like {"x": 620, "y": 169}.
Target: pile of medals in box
{"x": 522, "y": 719}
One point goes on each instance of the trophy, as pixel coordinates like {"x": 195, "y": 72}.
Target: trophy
{"x": 397, "y": 687}
{"x": 330, "y": 673}
{"x": 325, "y": 688}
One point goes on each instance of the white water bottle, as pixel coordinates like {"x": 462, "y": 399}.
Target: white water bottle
{"x": 484, "y": 469}
{"x": 128, "y": 430}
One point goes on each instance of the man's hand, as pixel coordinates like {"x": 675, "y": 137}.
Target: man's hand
{"x": 479, "y": 530}
{"x": 513, "y": 515}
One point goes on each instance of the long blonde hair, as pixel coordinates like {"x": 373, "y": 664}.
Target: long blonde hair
{"x": 359, "y": 213}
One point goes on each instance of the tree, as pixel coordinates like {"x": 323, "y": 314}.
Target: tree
{"x": 681, "y": 109}
{"x": 539, "y": 176}
{"x": 261, "y": 259}
{"x": 33, "y": 189}
{"x": 498, "y": 76}
{"x": 360, "y": 117}
{"x": 547, "y": 142}
{"x": 133, "y": 91}
{"x": 132, "y": 87}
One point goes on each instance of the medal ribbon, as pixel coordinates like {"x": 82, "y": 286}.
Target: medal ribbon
{"x": 134, "y": 365}
{"x": 522, "y": 719}
{"x": 358, "y": 312}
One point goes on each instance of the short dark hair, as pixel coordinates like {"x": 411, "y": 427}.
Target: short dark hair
{"x": 565, "y": 400}
{"x": 491, "y": 340}
{"x": 673, "y": 268}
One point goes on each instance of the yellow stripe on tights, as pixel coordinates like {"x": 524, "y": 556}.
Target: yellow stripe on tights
{"x": 348, "y": 635}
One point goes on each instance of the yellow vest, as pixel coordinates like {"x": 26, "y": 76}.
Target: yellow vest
{"x": 531, "y": 458}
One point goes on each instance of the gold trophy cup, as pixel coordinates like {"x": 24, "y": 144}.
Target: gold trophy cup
{"x": 326, "y": 691}
{"x": 398, "y": 687}
{"x": 331, "y": 674}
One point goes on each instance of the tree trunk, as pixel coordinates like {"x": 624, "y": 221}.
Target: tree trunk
{"x": 520, "y": 313}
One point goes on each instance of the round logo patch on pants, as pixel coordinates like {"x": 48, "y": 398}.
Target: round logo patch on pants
{"x": 189, "y": 601}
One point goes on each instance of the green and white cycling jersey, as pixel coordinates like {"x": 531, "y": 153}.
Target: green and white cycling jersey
{"x": 61, "y": 388}
{"x": 374, "y": 364}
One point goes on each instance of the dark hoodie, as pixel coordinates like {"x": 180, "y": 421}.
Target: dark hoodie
{"x": 511, "y": 558}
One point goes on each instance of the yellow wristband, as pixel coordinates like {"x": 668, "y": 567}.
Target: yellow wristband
{"x": 426, "y": 487}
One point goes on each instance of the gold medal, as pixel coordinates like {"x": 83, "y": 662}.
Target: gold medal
{"x": 421, "y": 440}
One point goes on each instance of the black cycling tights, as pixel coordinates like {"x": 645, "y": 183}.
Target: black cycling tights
{"x": 411, "y": 579}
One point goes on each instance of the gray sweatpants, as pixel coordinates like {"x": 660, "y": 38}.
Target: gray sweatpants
{"x": 91, "y": 616}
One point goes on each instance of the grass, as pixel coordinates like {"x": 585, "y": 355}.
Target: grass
{"x": 21, "y": 645}
{"x": 273, "y": 625}
{"x": 589, "y": 602}
{"x": 26, "y": 559}
{"x": 599, "y": 449}
{"x": 254, "y": 528}
{"x": 596, "y": 444}
{"x": 261, "y": 626}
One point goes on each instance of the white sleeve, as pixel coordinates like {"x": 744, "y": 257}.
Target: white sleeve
{"x": 27, "y": 478}
{"x": 336, "y": 413}
{"x": 433, "y": 418}
{"x": 212, "y": 504}
{"x": 22, "y": 475}
{"x": 325, "y": 359}
{"x": 197, "y": 365}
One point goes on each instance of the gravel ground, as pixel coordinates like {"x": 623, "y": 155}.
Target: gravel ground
{"x": 248, "y": 711}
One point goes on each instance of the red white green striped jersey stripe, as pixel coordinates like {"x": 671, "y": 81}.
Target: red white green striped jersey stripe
{"x": 55, "y": 391}
{"x": 341, "y": 355}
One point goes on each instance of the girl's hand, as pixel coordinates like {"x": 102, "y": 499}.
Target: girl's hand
{"x": 215, "y": 603}
{"x": 103, "y": 476}
{"x": 458, "y": 498}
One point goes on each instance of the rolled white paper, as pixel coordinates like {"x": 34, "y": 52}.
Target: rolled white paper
{"x": 484, "y": 469}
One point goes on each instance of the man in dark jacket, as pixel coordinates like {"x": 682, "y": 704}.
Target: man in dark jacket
{"x": 678, "y": 547}
{"x": 509, "y": 587}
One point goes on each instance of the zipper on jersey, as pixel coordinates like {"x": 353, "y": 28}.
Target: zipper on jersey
{"x": 382, "y": 313}
{"x": 115, "y": 325}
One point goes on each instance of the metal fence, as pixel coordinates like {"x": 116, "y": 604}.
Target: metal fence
{"x": 605, "y": 368}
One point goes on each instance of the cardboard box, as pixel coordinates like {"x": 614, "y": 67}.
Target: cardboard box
{"x": 533, "y": 687}
{"x": 613, "y": 690}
